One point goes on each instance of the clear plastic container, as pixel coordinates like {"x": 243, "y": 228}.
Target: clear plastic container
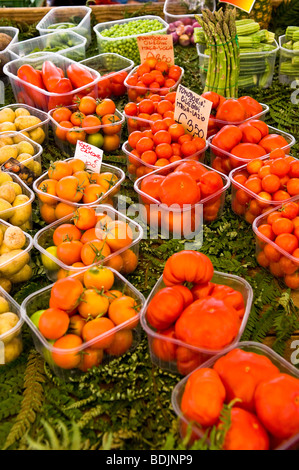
{"x": 69, "y": 148}
{"x": 256, "y": 68}
{"x": 44, "y": 238}
{"x": 126, "y": 45}
{"x": 21, "y": 214}
{"x": 11, "y": 342}
{"x": 4, "y": 55}
{"x": 201, "y": 354}
{"x": 110, "y": 66}
{"x": 43, "y": 99}
{"x": 137, "y": 93}
{"x": 40, "y": 300}
{"x": 110, "y": 197}
{"x": 241, "y": 198}
{"x": 80, "y": 15}
{"x": 67, "y": 43}
{"x": 249, "y": 346}
{"x": 288, "y": 63}
{"x": 227, "y": 162}
{"x": 21, "y": 154}
{"x": 281, "y": 264}
{"x": 175, "y": 10}
{"x": 17, "y": 268}
{"x": 186, "y": 221}
{"x": 137, "y": 168}
{"x": 37, "y": 136}
{"x": 135, "y": 123}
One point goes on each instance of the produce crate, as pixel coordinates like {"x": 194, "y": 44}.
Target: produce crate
{"x": 175, "y": 10}
{"x": 235, "y": 282}
{"x": 126, "y": 45}
{"x": 40, "y": 300}
{"x": 137, "y": 168}
{"x": 171, "y": 220}
{"x": 38, "y": 137}
{"x": 63, "y": 42}
{"x": 44, "y": 238}
{"x": 43, "y": 99}
{"x": 288, "y": 71}
{"x": 80, "y": 15}
{"x": 256, "y": 68}
{"x": 109, "y": 196}
{"x": 4, "y": 55}
{"x": 236, "y": 162}
{"x": 69, "y": 148}
{"x": 249, "y": 346}
{"x": 11, "y": 342}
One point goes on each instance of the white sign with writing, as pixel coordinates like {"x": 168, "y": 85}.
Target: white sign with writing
{"x": 192, "y": 111}
{"x": 91, "y": 155}
{"x": 159, "y": 46}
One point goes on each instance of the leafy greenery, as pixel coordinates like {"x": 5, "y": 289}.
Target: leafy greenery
{"x": 126, "y": 404}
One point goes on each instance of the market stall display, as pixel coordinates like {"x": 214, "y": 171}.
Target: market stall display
{"x": 142, "y": 245}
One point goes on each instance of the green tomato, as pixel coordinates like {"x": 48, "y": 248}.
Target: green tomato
{"x": 36, "y": 316}
{"x": 96, "y": 139}
{"x": 47, "y": 262}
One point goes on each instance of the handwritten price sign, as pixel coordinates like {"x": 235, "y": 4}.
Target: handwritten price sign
{"x": 159, "y": 46}
{"x": 192, "y": 111}
{"x": 92, "y": 156}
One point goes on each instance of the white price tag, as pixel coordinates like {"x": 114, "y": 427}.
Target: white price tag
{"x": 91, "y": 155}
{"x": 192, "y": 111}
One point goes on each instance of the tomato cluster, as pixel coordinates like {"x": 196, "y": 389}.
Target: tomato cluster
{"x": 67, "y": 183}
{"x": 230, "y": 110}
{"x": 204, "y": 315}
{"x": 90, "y": 237}
{"x": 52, "y": 79}
{"x": 112, "y": 85}
{"x": 164, "y": 143}
{"x": 278, "y": 247}
{"x": 265, "y": 412}
{"x": 233, "y": 145}
{"x": 264, "y": 182}
{"x": 152, "y": 77}
{"x": 87, "y": 309}
{"x": 186, "y": 184}
{"x": 91, "y": 120}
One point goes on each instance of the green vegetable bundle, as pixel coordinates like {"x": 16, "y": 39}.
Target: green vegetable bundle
{"x": 220, "y": 31}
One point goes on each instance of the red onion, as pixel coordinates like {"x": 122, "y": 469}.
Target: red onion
{"x": 184, "y": 40}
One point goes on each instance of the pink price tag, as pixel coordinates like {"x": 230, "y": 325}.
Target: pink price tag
{"x": 91, "y": 155}
{"x": 159, "y": 46}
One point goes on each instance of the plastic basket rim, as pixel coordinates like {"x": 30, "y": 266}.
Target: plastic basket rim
{"x": 111, "y": 74}
{"x": 82, "y": 42}
{"x": 86, "y": 344}
{"x": 191, "y": 206}
{"x": 44, "y": 122}
{"x": 149, "y": 331}
{"x": 67, "y": 218}
{"x": 13, "y": 38}
{"x": 242, "y": 344}
{"x": 230, "y": 155}
{"x": 109, "y": 24}
{"x": 284, "y": 49}
{"x": 75, "y": 204}
{"x": 54, "y": 56}
{"x": 51, "y": 12}
{"x": 28, "y": 139}
{"x": 186, "y": 15}
{"x": 102, "y": 126}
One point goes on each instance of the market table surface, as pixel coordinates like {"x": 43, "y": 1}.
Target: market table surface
{"x": 126, "y": 403}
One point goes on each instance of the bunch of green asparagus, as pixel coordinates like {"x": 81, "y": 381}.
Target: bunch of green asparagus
{"x": 255, "y": 49}
{"x": 220, "y": 32}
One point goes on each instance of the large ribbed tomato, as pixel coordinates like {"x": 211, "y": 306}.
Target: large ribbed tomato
{"x": 187, "y": 266}
{"x": 208, "y": 323}
{"x": 241, "y": 372}
{"x": 277, "y": 405}
{"x": 231, "y": 110}
{"x": 203, "y": 397}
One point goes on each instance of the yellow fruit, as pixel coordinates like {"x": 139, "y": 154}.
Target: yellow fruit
{"x": 7, "y": 152}
{"x": 6, "y": 210}
{"x": 25, "y": 147}
{"x": 21, "y": 112}
{"x": 4, "y": 177}
{"x": 12, "y": 350}
{"x": 38, "y": 135}
{"x": 4, "y": 305}
{"x": 7, "y": 192}
{"x": 6, "y": 284}
{"x": 14, "y": 238}
{"x": 7, "y": 115}
{"x": 23, "y": 213}
{"x": 7, "y": 126}
{"x": 23, "y": 275}
{"x": 12, "y": 262}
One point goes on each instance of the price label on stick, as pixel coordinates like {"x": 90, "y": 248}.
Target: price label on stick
{"x": 192, "y": 111}
{"x": 91, "y": 155}
{"x": 159, "y": 46}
